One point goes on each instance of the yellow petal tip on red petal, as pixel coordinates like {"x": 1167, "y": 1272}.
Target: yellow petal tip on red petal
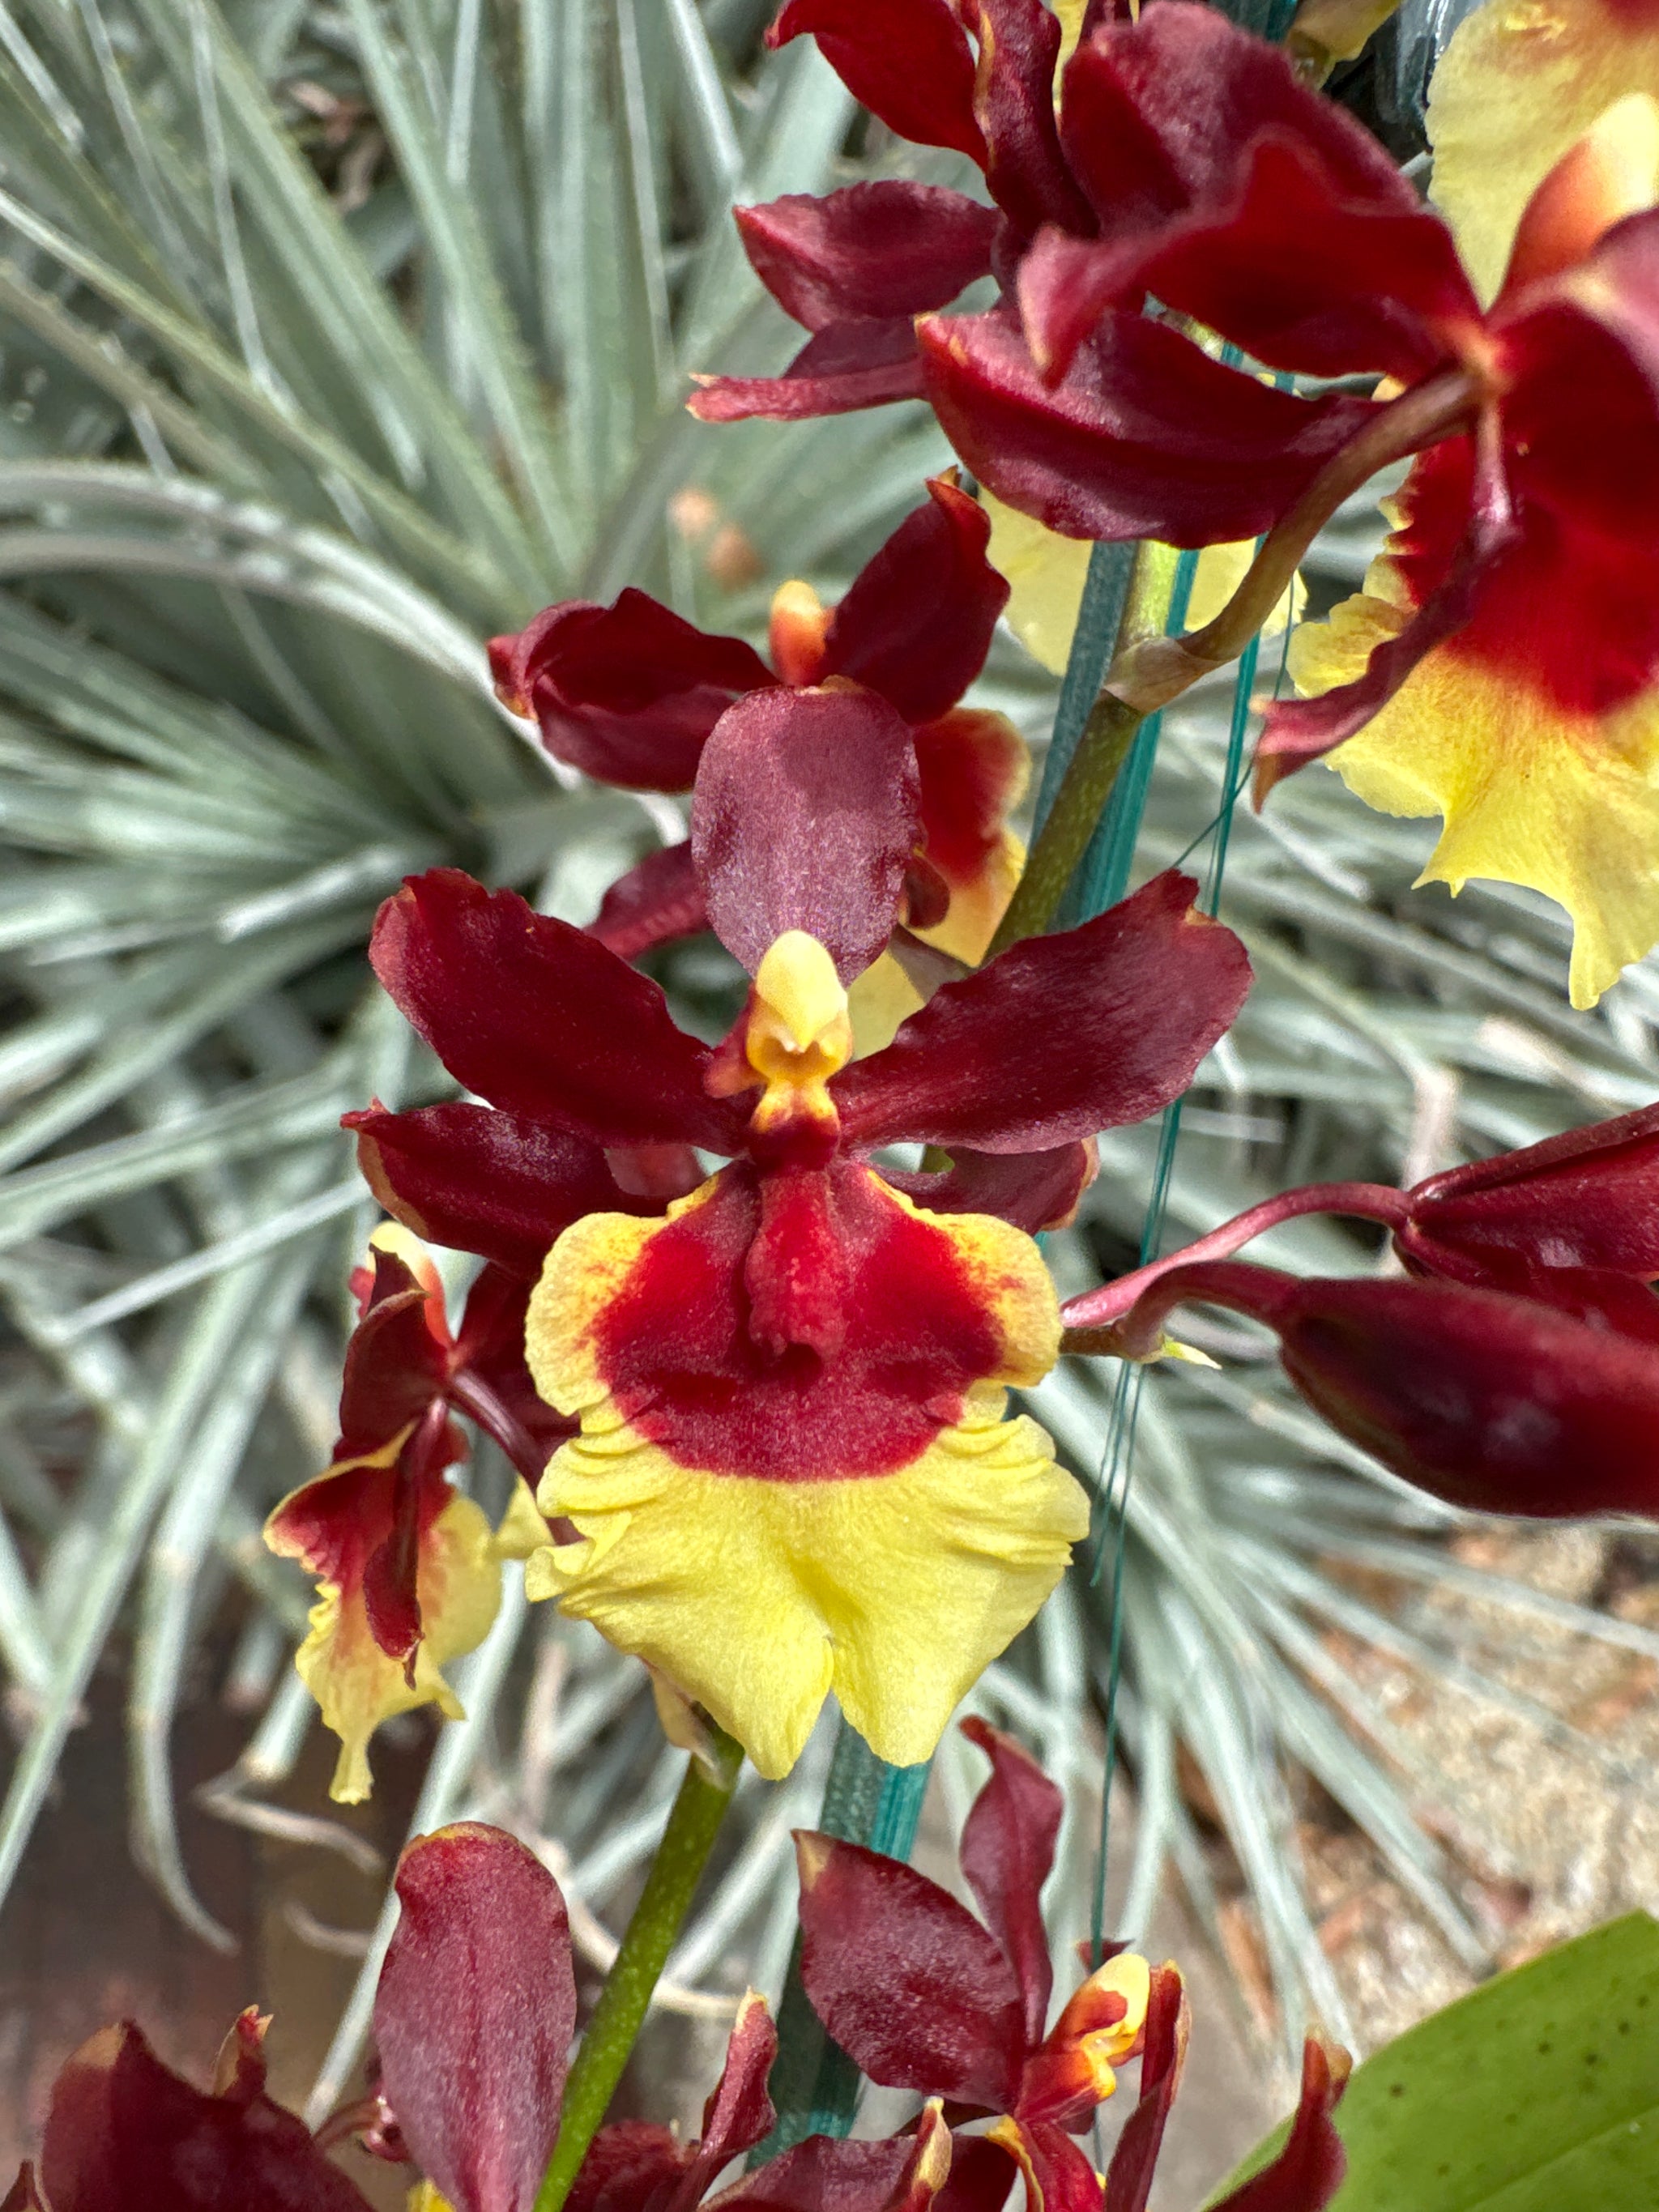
{"x": 356, "y": 1685}
{"x": 1517, "y": 87}
{"x": 1529, "y": 793}
{"x": 757, "y": 1594}
{"x": 799, "y": 994}
{"x": 1109, "y": 2010}
{"x": 402, "y": 1243}
{"x": 800, "y": 623}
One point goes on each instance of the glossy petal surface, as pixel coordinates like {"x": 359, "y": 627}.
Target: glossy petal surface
{"x": 538, "y": 1019}
{"x": 849, "y": 365}
{"x": 905, "y": 1979}
{"x": 657, "y": 900}
{"x": 1145, "y": 437}
{"x": 125, "y": 2134}
{"x": 916, "y": 624}
{"x": 804, "y": 819}
{"x": 474, "y": 2015}
{"x": 1008, "y": 1850}
{"x": 498, "y": 1184}
{"x": 908, "y": 62}
{"x": 626, "y": 693}
{"x": 881, "y": 250}
{"x": 1061, "y": 1036}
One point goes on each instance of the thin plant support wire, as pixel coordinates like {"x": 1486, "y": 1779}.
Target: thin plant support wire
{"x": 1118, "y": 1458}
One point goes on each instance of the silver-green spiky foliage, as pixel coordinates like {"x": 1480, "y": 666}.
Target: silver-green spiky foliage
{"x": 274, "y": 464}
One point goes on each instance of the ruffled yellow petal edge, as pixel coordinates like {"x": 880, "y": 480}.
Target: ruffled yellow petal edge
{"x": 1566, "y": 804}
{"x": 758, "y": 1597}
{"x": 1045, "y": 574}
{"x": 1521, "y": 81}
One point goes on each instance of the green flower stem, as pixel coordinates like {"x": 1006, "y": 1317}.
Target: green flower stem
{"x": 1101, "y": 751}
{"x": 620, "y": 2013}
{"x": 1150, "y": 668}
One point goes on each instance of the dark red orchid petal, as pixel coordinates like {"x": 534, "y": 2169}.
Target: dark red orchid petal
{"x": 1301, "y": 280}
{"x": 125, "y": 2134}
{"x": 1134, "y": 2157}
{"x": 804, "y": 817}
{"x": 849, "y": 366}
{"x": 1588, "y": 1199}
{"x": 396, "y": 1364}
{"x": 982, "y": 2174}
{"x": 903, "y": 2174}
{"x": 493, "y": 1383}
{"x": 390, "y": 1580}
{"x": 1579, "y": 361}
{"x": 876, "y": 251}
{"x": 657, "y": 900}
{"x": 23, "y": 2195}
{"x": 1034, "y": 1190}
{"x": 905, "y": 1979}
{"x": 1307, "y": 2172}
{"x": 916, "y": 624}
{"x": 1158, "y": 114}
{"x": 1059, "y": 1036}
{"x": 974, "y": 764}
{"x": 1599, "y": 1295}
{"x": 824, "y": 2175}
{"x": 1059, "y": 2177}
{"x": 1014, "y": 101}
{"x": 1284, "y": 267}
{"x": 1297, "y": 730}
{"x": 627, "y": 2163}
{"x": 1146, "y": 437}
{"x": 1007, "y": 1850}
{"x": 538, "y": 1019}
{"x": 474, "y": 2013}
{"x": 740, "y": 2114}
{"x": 1491, "y": 1401}
{"x": 908, "y": 62}
{"x": 482, "y": 1180}
{"x": 626, "y": 693}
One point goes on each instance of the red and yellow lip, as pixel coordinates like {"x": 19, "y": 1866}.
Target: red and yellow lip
{"x": 794, "y": 1471}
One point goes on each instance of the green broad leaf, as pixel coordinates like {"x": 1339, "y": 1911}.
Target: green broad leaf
{"x": 1537, "y": 2092}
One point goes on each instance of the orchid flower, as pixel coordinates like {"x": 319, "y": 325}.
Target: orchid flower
{"x": 1147, "y": 435}
{"x": 630, "y": 693}
{"x": 408, "y": 1569}
{"x": 794, "y": 1470}
{"x": 925, "y": 1997}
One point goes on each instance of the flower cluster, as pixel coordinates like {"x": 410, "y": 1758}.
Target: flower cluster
{"x": 790, "y": 1378}
{"x": 1501, "y": 666}
{"x": 753, "y": 1371}
{"x": 476, "y": 2007}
